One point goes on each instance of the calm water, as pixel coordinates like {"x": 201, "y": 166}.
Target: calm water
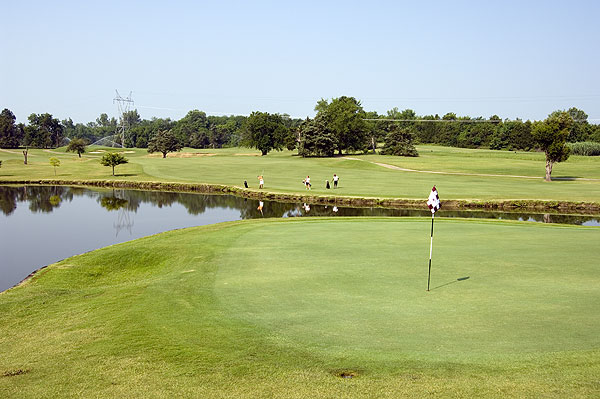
{"x": 40, "y": 225}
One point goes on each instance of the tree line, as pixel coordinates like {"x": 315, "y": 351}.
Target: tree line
{"x": 340, "y": 125}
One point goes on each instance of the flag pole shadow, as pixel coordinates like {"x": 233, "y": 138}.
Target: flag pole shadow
{"x": 451, "y": 282}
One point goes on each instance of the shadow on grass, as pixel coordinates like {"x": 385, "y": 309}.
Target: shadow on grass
{"x": 451, "y": 282}
{"x": 125, "y": 174}
{"x": 566, "y": 178}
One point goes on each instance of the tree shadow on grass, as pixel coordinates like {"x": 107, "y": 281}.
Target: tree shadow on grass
{"x": 451, "y": 282}
{"x": 125, "y": 174}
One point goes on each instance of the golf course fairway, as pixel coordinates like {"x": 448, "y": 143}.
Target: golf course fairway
{"x": 307, "y": 308}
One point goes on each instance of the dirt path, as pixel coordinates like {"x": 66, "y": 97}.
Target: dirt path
{"x": 59, "y": 153}
{"x": 10, "y": 152}
{"x": 17, "y": 152}
{"x": 393, "y": 167}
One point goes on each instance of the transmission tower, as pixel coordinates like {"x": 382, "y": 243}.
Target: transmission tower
{"x": 124, "y": 105}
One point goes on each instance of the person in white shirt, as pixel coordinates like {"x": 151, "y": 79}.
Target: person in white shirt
{"x": 260, "y": 206}
{"x": 335, "y": 180}
{"x": 307, "y": 182}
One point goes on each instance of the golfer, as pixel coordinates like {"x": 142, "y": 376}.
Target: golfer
{"x": 261, "y": 181}
{"x": 307, "y": 182}
{"x": 335, "y": 180}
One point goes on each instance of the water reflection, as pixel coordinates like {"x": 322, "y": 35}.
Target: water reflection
{"x": 121, "y": 205}
{"x": 40, "y": 199}
{"x": 113, "y": 203}
{"x": 46, "y": 199}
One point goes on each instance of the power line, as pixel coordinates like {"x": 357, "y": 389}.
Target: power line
{"x": 458, "y": 120}
{"x": 438, "y": 120}
{"x": 123, "y": 105}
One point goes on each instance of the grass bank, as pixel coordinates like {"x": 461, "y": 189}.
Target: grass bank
{"x": 476, "y": 178}
{"x": 282, "y": 308}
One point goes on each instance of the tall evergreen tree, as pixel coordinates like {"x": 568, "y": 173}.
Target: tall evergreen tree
{"x": 399, "y": 141}
{"x": 316, "y": 139}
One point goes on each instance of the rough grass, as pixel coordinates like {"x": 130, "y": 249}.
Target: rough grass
{"x": 359, "y": 177}
{"x": 282, "y": 308}
{"x": 586, "y": 148}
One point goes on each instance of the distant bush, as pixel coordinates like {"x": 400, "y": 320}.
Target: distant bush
{"x": 587, "y": 148}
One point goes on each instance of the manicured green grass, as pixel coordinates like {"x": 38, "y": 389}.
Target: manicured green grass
{"x": 518, "y": 163}
{"x": 284, "y": 172}
{"x": 278, "y": 308}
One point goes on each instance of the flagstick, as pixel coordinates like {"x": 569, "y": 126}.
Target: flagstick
{"x": 430, "y": 250}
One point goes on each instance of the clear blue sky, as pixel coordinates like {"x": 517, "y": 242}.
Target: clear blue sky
{"x": 513, "y": 58}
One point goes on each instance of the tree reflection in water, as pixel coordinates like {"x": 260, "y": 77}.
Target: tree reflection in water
{"x": 47, "y": 198}
{"x": 114, "y": 203}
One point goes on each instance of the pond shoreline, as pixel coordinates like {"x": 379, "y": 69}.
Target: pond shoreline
{"x": 586, "y": 208}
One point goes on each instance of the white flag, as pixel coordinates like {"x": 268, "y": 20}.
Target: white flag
{"x": 434, "y": 200}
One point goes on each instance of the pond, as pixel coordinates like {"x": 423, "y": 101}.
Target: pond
{"x": 40, "y": 225}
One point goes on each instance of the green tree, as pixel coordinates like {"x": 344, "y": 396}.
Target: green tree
{"x": 292, "y": 140}
{"x": 140, "y": 135}
{"x": 111, "y": 123}
{"x": 113, "y": 159}
{"x": 222, "y": 132}
{"x": 427, "y": 132}
{"x": 265, "y": 132}
{"x": 228, "y": 129}
{"x": 344, "y": 118}
{"x": 399, "y": 141}
{"x": 192, "y": 130}
{"x": 476, "y": 134}
{"x": 77, "y": 145}
{"x": 449, "y": 131}
{"x": 164, "y": 142}
{"x": 551, "y": 136}
{"x": 376, "y": 129}
{"x": 580, "y": 131}
{"x": 10, "y": 134}
{"x": 55, "y": 162}
{"x": 519, "y": 135}
{"x": 406, "y": 115}
{"x": 88, "y": 132}
{"x": 131, "y": 118}
{"x": 315, "y": 139}
{"x": 43, "y": 131}
{"x": 595, "y": 133}
{"x": 322, "y": 105}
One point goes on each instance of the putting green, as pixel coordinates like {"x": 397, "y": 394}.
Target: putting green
{"x": 280, "y": 308}
{"x": 357, "y": 289}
